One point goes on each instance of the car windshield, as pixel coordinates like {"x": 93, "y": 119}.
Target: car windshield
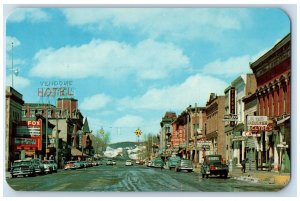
{"x": 17, "y": 163}
{"x": 45, "y": 162}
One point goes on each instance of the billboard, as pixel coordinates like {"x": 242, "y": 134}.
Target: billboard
{"x": 29, "y": 135}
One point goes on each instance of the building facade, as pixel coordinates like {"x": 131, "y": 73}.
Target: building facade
{"x": 273, "y": 74}
{"x": 14, "y": 102}
{"x": 166, "y": 132}
{"x": 215, "y": 111}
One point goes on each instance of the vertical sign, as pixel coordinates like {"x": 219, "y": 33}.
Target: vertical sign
{"x": 232, "y": 104}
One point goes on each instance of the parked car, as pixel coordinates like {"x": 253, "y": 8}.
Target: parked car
{"x": 38, "y": 166}
{"x": 172, "y": 162}
{"x": 158, "y": 162}
{"x": 47, "y": 167}
{"x": 109, "y": 162}
{"x": 213, "y": 165}
{"x": 184, "y": 164}
{"x": 53, "y": 164}
{"x": 150, "y": 163}
{"x": 72, "y": 165}
{"x": 23, "y": 168}
{"x": 128, "y": 163}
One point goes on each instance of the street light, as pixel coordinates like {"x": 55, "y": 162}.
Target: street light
{"x": 13, "y": 71}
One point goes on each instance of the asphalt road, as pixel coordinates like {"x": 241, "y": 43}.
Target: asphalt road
{"x": 121, "y": 178}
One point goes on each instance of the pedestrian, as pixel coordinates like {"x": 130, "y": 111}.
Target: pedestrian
{"x": 243, "y": 163}
{"x": 270, "y": 164}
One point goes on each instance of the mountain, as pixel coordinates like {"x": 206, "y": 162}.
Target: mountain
{"x": 123, "y": 145}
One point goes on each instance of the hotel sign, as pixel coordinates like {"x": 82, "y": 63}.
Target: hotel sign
{"x": 56, "y": 89}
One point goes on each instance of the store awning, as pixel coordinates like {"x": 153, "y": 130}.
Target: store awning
{"x": 76, "y": 152}
{"x": 283, "y": 120}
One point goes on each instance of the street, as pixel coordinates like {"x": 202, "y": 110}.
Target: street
{"x": 137, "y": 178}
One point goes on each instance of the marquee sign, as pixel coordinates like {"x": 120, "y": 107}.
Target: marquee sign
{"x": 29, "y": 135}
{"x": 56, "y": 89}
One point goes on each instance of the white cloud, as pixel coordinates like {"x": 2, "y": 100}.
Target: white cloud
{"x": 33, "y": 15}
{"x": 10, "y": 40}
{"x": 179, "y": 23}
{"x": 147, "y": 60}
{"x": 129, "y": 121}
{"x": 95, "y": 102}
{"x": 228, "y": 68}
{"x": 195, "y": 89}
{"x": 19, "y": 82}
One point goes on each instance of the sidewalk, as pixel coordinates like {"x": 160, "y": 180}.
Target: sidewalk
{"x": 257, "y": 176}
{"x": 269, "y": 177}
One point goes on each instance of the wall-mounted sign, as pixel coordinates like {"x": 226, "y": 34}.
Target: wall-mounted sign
{"x": 257, "y": 120}
{"x": 230, "y": 117}
{"x": 29, "y": 135}
{"x": 232, "y": 104}
{"x": 56, "y": 89}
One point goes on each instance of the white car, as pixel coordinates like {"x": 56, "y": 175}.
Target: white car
{"x": 128, "y": 163}
{"x": 53, "y": 164}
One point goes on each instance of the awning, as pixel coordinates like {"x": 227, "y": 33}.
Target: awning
{"x": 283, "y": 120}
{"x": 76, "y": 152}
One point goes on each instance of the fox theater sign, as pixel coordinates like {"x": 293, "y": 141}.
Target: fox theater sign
{"x": 29, "y": 135}
{"x": 56, "y": 89}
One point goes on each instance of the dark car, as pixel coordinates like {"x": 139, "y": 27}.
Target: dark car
{"x": 23, "y": 168}
{"x": 184, "y": 165}
{"x": 172, "y": 162}
{"x": 213, "y": 166}
{"x": 158, "y": 162}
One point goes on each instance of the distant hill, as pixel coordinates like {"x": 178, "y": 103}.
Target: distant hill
{"x": 123, "y": 145}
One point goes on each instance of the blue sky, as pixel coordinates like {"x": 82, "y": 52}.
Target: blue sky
{"x": 131, "y": 65}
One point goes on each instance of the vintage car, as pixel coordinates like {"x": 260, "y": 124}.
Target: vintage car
{"x": 158, "y": 162}
{"x": 172, "y": 162}
{"x": 184, "y": 164}
{"x": 38, "y": 166}
{"x": 213, "y": 165}
{"x": 22, "y": 168}
{"x": 48, "y": 169}
{"x": 128, "y": 163}
{"x": 72, "y": 165}
{"x": 53, "y": 164}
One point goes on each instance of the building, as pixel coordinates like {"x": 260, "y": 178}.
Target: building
{"x": 165, "y": 134}
{"x": 273, "y": 74}
{"x": 14, "y": 102}
{"x": 214, "y": 124}
{"x": 251, "y": 144}
{"x": 243, "y": 85}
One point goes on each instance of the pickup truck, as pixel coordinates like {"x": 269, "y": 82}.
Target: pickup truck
{"x": 213, "y": 166}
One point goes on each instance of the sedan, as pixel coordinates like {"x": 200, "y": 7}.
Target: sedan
{"x": 128, "y": 163}
{"x": 184, "y": 165}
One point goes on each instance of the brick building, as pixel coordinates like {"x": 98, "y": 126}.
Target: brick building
{"x": 273, "y": 74}
{"x": 165, "y": 134}
{"x": 14, "y": 102}
{"x": 214, "y": 124}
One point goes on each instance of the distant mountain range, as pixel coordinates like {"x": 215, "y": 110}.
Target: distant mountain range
{"x": 123, "y": 145}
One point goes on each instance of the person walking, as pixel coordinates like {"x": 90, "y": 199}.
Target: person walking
{"x": 243, "y": 163}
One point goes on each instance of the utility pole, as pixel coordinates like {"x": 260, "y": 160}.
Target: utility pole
{"x": 12, "y": 64}
{"x": 57, "y": 138}
{"x": 47, "y": 132}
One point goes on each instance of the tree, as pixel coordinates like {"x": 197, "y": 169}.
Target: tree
{"x": 101, "y": 141}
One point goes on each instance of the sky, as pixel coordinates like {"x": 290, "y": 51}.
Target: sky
{"x": 129, "y": 66}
